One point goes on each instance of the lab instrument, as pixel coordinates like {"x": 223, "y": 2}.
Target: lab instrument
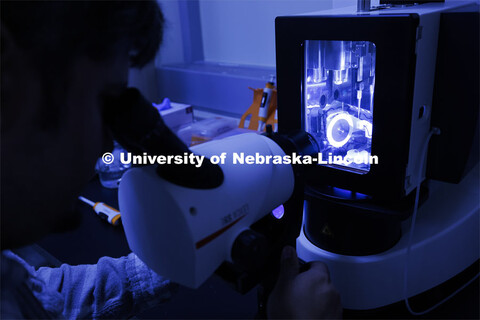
{"x": 400, "y": 83}
{"x": 265, "y": 103}
{"x": 104, "y": 211}
{"x": 111, "y": 170}
{"x": 186, "y": 233}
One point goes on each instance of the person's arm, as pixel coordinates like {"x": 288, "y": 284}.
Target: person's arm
{"x": 112, "y": 288}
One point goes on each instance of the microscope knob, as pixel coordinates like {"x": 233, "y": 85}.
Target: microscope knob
{"x": 250, "y": 251}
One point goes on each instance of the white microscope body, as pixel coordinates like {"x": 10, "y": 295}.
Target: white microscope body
{"x": 185, "y": 234}
{"x": 445, "y": 242}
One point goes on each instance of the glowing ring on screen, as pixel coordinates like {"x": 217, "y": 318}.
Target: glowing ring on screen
{"x": 338, "y": 117}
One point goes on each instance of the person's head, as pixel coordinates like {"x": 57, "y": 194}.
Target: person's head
{"x": 57, "y": 60}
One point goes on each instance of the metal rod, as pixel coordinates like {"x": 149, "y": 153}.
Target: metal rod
{"x": 363, "y": 5}
{"x": 87, "y": 201}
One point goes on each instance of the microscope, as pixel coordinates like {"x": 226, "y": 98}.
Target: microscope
{"x": 398, "y": 84}
{"x": 226, "y": 216}
{"x": 385, "y": 82}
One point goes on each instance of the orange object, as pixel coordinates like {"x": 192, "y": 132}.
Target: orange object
{"x": 251, "y": 115}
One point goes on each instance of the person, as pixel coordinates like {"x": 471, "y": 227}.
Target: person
{"x": 58, "y": 60}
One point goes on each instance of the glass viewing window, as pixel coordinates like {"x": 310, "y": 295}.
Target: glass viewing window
{"x": 338, "y": 91}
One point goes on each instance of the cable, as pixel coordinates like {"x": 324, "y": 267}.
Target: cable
{"x": 435, "y": 131}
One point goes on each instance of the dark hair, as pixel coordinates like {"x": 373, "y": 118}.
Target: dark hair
{"x": 57, "y": 30}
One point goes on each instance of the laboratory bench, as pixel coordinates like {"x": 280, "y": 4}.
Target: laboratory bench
{"x": 215, "y": 299}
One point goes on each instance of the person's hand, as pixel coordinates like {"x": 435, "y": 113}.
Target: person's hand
{"x": 306, "y": 295}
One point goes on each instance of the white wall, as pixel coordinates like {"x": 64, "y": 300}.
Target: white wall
{"x": 236, "y": 31}
{"x": 171, "y": 50}
{"x": 243, "y": 31}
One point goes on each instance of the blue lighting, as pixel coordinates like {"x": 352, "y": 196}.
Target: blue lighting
{"x": 278, "y": 212}
{"x": 339, "y": 87}
{"x": 347, "y": 194}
